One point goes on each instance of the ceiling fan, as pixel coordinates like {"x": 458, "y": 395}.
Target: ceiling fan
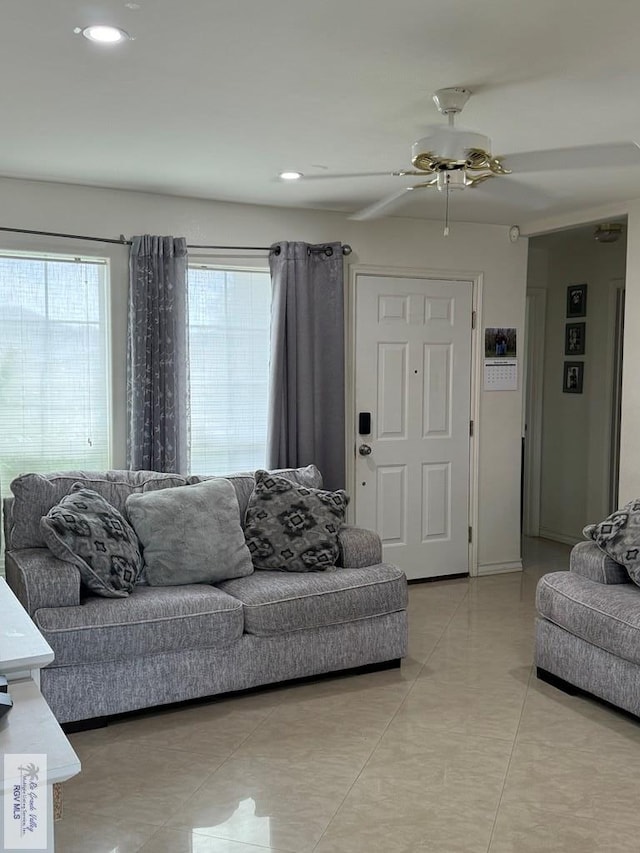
{"x": 450, "y": 158}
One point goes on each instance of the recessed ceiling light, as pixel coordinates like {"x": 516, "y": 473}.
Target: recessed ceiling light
{"x": 291, "y": 176}
{"x": 104, "y": 34}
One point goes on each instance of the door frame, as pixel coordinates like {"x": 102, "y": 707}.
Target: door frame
{"x": 615, "y": 356}
{"x": 532, "y": 399}
{"x": 476, "y": 279}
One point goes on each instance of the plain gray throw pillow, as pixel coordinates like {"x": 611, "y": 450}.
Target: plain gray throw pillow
{"x": 190, "y": 534}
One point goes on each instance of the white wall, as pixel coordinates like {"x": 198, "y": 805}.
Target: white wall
{"x": 576, "y": 427}
{"x": 398, "y": 243}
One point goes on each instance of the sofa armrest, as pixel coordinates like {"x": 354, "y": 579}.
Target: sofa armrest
{"x": 358, "y": 548}
{"x": 588, "y": 560}
{"x": 41, "y": 580}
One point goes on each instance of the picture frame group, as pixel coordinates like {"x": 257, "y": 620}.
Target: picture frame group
{"x": 575, "y": 337}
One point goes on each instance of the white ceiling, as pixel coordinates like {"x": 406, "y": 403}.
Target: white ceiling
{"x": 214, "y": 97}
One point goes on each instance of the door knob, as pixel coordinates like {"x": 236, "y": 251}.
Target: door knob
{"x": 365, "y": 450}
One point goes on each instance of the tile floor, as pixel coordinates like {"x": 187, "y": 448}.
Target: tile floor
{"x": 463, "y": 750}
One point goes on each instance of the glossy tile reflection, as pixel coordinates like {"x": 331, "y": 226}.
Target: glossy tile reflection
{"x": 463, "y": 750}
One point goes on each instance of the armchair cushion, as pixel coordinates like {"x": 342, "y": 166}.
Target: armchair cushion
{"x": 588, "y": 560}
{"x": 358, "y": 548}
{"x": 619, "y": 537}
{"x": 610, "y": 622}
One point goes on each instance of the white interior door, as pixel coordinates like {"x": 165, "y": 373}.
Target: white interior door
{"x": 413, "y": 375}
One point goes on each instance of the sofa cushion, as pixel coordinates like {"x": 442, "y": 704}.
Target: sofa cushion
{"x": 605, "y": 616}
{"x": 150, "y": 621}
{"x": 619, "y": 537}
{"x": 293, "y": 528}
{"x": 86, "y": 531}
{"x": 190, "y": 534}
{"x": 278, "y": 602}
{"x": 35, "y": 494}
{"x": 244, "y": 482}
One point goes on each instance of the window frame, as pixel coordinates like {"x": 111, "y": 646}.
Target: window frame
{"x": 198, "y": 262}
{"x": 101, "y": 259}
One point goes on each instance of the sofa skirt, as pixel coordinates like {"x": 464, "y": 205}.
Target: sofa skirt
{"x": 84, "y": 691}
{"x": 588, "y": 667}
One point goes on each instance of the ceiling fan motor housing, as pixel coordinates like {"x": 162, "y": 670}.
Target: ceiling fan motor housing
{"x": 447, "y": 147}
{"x": 452, "y": 99}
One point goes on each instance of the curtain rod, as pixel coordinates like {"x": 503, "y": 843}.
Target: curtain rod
{"x": 122, "y": 241}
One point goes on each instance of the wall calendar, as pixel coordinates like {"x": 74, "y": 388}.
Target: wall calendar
{"x": 501, "y": 374}
{"x": 500, "y": 362}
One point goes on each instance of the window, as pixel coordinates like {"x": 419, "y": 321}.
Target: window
{"x": 229, "y": 319}
{"x": 54, "y": 394}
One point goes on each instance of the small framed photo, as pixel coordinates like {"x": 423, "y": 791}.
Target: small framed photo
{"x": 500, "y": 343}
{"x": 574, "y": 338}
{"x": 573, "y": 377}
{"x": 577, "y": 300}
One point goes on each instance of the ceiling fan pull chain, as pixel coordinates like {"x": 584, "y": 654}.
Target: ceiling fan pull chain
{"x": 446, "y": 210}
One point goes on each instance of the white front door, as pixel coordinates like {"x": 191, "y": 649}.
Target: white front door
{"x": 413, "y": 376}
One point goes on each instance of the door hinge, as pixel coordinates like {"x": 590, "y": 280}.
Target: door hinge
{"x": 473, "y": 319}
{"x": 470, "y": 427}
{"x": 470, "y": 535}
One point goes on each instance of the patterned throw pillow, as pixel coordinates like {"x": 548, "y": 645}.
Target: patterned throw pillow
{"x": 619, "y": 537}
{"x": 86, "y": 531}
{"x": 291, "y": 527}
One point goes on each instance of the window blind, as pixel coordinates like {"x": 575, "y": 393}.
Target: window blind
{"x": 54, "y": 394}
{"x": 229, "y": 320}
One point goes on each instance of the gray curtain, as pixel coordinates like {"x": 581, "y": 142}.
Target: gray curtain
{"x": 157, "y": 362}
{"x": 306, "y": 384}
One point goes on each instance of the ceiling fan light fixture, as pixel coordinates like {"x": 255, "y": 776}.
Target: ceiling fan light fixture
{"x": 608, "y": 232}
{"x": 449, "y": 147}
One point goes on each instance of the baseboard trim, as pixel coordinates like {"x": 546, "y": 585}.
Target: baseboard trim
{"x": 555, "y": 536}
{"x": 499, "y": 568}
{"x": 454, "y": 577}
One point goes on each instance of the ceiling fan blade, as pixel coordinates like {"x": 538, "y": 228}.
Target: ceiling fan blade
{"x": 330, "y": 176}
{"x": 385, "y": 205}
{"x": 508, "y": 189}
{"x": 581, "y": 157}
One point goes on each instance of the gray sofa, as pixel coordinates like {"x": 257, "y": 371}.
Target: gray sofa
{"x": 168, "y": 644}
{"x": 588, "y": 628}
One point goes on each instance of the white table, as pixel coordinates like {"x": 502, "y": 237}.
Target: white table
{"x": 30, "y": 726}
{"x": 23, "y": 649}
